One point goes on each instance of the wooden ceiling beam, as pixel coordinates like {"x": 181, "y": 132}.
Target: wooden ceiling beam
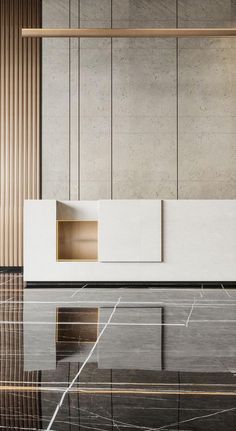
{"x": 129, "y": 32}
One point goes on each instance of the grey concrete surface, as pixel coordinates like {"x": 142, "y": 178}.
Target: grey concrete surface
{"x": 139, "y": 118}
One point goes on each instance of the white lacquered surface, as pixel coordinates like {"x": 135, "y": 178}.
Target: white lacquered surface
{"x": 129, "y": 231}
{"x": 199, "y": 243}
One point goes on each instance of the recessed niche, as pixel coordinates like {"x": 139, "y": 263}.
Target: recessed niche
{"x": 77, "y": 325}
{"x": 77, "y": 240}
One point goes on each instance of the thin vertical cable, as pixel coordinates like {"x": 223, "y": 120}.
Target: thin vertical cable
{"x": 39, "y": 103}
{"x": 177, "y": 103}
{"x": 79, "y": 108}
{"x": 111, "y": 103}
{"x": 69, "y": 113}
{"x": 34, "y": 103}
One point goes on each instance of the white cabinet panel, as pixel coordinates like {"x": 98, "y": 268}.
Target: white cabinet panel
{"x": 130, "y": 231}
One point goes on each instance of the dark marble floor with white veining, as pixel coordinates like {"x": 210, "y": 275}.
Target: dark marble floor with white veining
{"x": 80, "y": 357}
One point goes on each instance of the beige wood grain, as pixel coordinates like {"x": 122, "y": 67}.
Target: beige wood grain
{"x": 19, "y": 123}
{"x": 77, "y": 240}
{"x": 129, "y": 32}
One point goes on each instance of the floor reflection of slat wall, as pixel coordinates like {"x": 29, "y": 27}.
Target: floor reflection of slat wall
{"x": 19, "y": 122}
{"x": 20, "y": 409}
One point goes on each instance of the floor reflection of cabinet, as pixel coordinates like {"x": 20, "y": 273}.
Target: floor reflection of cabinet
{"x": 76, "y": 329}
{"x": 133, "y": 340}
{"x": 77, "y": 240}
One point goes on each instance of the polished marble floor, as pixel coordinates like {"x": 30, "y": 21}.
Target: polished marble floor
{"x": 117, "y": 358}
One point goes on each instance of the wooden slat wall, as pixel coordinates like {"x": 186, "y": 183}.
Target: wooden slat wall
{"x": 19, "y": 122}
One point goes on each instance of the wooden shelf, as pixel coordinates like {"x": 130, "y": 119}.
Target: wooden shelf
{"x": 77, "y": 240}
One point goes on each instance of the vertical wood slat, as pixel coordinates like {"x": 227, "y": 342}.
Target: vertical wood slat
{"x": 19, "y": 122}
{"x": 2, "y": 130}
{"x": 20, "y": 146}
{"x": 7, "y": 126}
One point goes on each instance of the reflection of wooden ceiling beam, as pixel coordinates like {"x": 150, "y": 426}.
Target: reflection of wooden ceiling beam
{"x": 129, "y": 32}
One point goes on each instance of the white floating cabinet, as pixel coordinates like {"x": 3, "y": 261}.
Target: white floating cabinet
{"x": 130, "y": 240}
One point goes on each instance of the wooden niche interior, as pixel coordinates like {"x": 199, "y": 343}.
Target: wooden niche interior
{"x": 77, "y": 240}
